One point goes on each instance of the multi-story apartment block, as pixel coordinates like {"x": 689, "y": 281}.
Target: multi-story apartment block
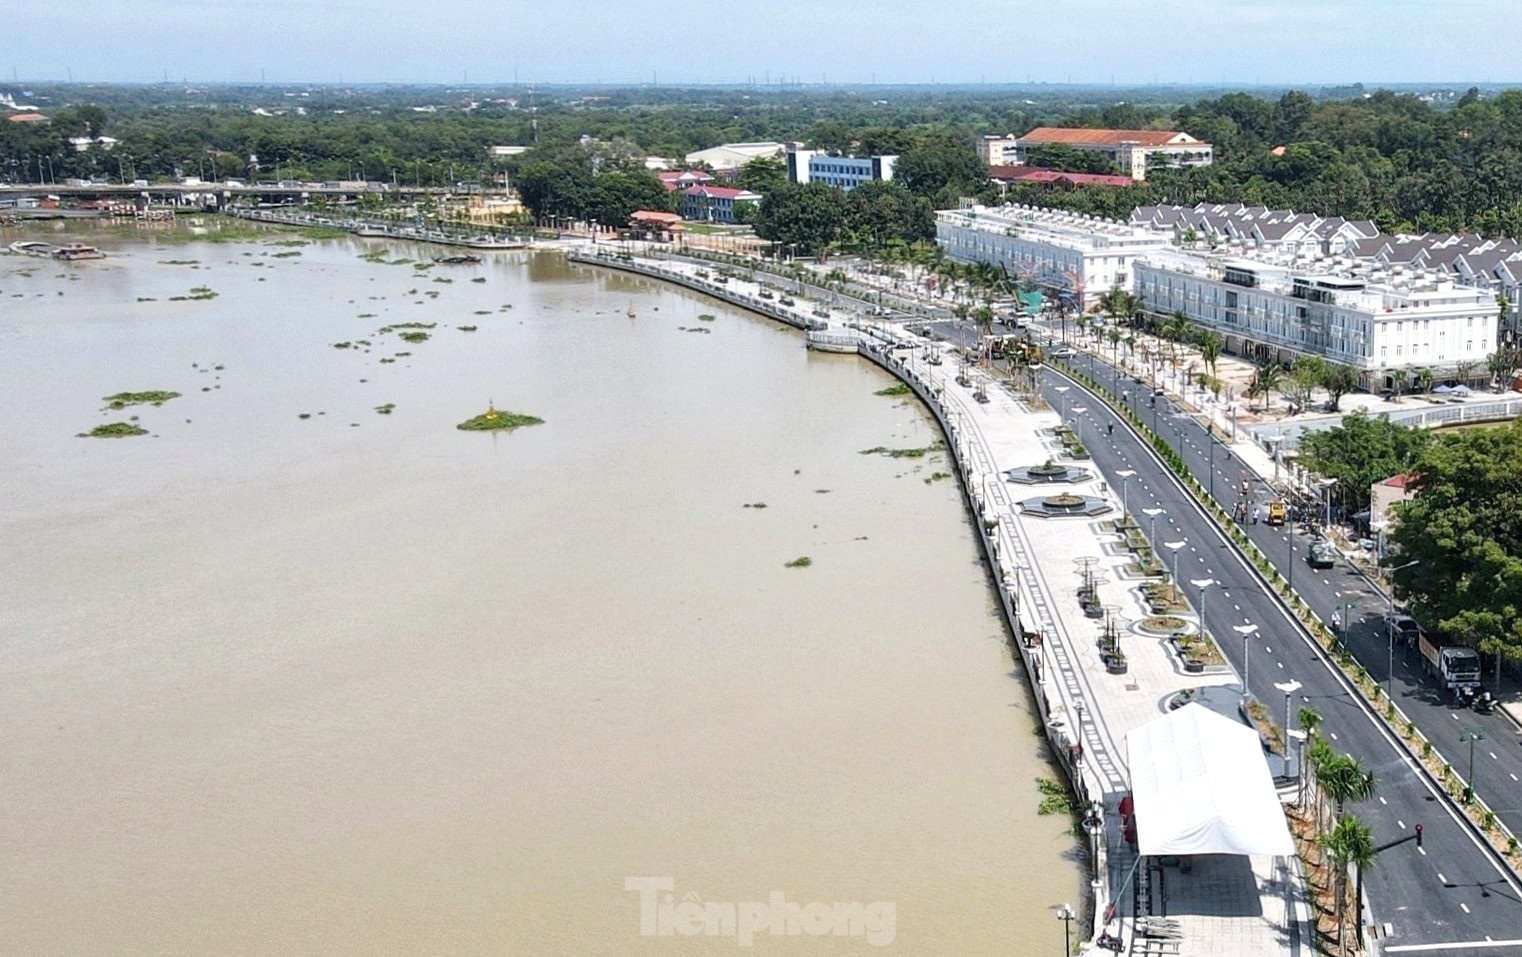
{"x": 1067, "y": 254}
{"x": 842, "y": 172}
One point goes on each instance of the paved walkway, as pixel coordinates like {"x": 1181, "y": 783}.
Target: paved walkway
{"x": 1223, "y": 905}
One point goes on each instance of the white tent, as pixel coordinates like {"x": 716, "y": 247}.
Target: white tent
{"x": 1200, "y": 785}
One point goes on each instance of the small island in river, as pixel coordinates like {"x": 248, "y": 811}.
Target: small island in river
{"x": 493, "y": 419}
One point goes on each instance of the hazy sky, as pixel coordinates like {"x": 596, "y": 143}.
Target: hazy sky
{"x": 855, "y": 41}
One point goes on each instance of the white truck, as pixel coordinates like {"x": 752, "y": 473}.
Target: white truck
{"x": 1457, "y": 667}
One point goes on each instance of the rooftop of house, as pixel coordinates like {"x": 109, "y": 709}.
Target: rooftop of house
{"x": 721, "y": 192}
{"x": 1117, "y": 138}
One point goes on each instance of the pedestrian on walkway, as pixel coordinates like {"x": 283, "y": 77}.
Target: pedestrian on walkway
{"x": 1109, "y": 428}
{"x": 1255, "y": 511}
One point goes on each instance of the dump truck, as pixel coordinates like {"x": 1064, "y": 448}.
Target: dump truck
{"x": 1277, "y": 511}
{"x": 1455, "y": 667}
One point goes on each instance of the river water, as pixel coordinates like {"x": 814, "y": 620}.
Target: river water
{"x": 361, "y": 683}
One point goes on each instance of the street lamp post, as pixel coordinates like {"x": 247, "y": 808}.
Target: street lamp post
{"x": 1078, "y": 410}
{"x": 1066, "y": 915}
{"x": 1152, "y": 514}
{"x": 1470, "y": 734}
{"x": 1176, "y": 547}
{"x": 1246, "y": 631}
{"x": 1390, "y": 634}
{"x": 1289, "y": 688}
{"x": 1202, "y": 584}
{"x": 1299, "y": 738}
{"x": 1327, "y": 492}
{"x": 1124, "y": 475}
{"x": 1062, "y": 395}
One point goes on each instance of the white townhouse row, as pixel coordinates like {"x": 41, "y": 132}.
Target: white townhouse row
{"x": 1074, "y": 256}
{"x": 1274, "y": 284}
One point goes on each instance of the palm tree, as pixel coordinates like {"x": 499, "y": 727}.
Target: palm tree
{"x": 1113, "y": 334}
{"x": 1344, "y": 779}
{"x": 1423, "y": 378}
{"x": 1350, "y": 844}
{"x": 1211, "y": 346}
{"x": 1266, "y": 381}
{"x": 1130, "y": 341}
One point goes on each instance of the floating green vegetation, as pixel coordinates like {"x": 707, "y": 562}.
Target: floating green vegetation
{"x": 304, "y": 415}
{"x": 196, "y": 293}
{"x": 479, "y": 279}
{"x": 899, "y": 389}
{"x": 754, "y": 505}
{"x": 179, "y": 262}
{"x": 442, "y": 279}
{"x": 146, "y": 299}
{"x": 123, "y": 399}
{"x": 414, "y": 337}
{"x": 482, "y": 312}
{"x": 343, "y": 345}
{"x": 290, "y": 243}
{"x": 706, "y": 317}
{"x": 466, "y": 328}
{"x": 905, "y": 453}
{"x": 698, "y": 329}
{"x": 802, "y": 561}
{"x": 937, "y": 477}
{"x": 493, "y": 419}
{"x": 431, "y": 294}
{"x": 367, "y": 315}
{"x": 420, "y": 267}
{"x": 405, "y": 325}
{"x": 286, "y": 255}
{"x": 1052, "y": 804}
{"x": 375, "y": 256}
{"x": 114, "y": 430}
{"x": 386, "y": 362}
{"x": 386, "y": 409}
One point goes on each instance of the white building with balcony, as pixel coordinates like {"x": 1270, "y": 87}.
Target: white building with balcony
{"x": 1070, "y": 255}
{"x": 1379, "y": 322}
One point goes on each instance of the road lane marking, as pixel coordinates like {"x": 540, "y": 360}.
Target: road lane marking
{"x": 1465, "y": 907}
{"x": 1441, "y": 878}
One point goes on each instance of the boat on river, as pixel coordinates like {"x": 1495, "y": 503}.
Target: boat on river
{"x": 68, "y": 253}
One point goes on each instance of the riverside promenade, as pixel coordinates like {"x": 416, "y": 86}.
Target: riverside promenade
{"x": 1222, "y": 905}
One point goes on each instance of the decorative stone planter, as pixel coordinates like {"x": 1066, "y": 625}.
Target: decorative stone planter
{"x": 1116, "y": 665}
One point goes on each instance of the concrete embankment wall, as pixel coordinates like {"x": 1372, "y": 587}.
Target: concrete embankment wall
{"x": 877, "y": 352}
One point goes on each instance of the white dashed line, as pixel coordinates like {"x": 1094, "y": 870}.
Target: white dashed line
{"x": 1441, "y": 878}
{"x": 1465, "y": 907}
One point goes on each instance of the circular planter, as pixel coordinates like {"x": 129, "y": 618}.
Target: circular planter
{"x": 1117, "y": 666}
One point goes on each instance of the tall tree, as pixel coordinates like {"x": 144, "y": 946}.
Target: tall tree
{"x": 805, "y": 216}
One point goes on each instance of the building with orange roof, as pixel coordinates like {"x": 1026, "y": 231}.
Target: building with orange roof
{"x": 1130, "y": 150}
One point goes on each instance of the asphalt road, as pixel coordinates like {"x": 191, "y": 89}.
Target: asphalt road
{"x": 1343, "y": 592}
{"x": 1451, "y": 892}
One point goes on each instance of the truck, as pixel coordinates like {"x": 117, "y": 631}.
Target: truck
{"x": 1277, "y": 510}
{"x": 1323, "y": 554}
{"x": 1457, "y": 668}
